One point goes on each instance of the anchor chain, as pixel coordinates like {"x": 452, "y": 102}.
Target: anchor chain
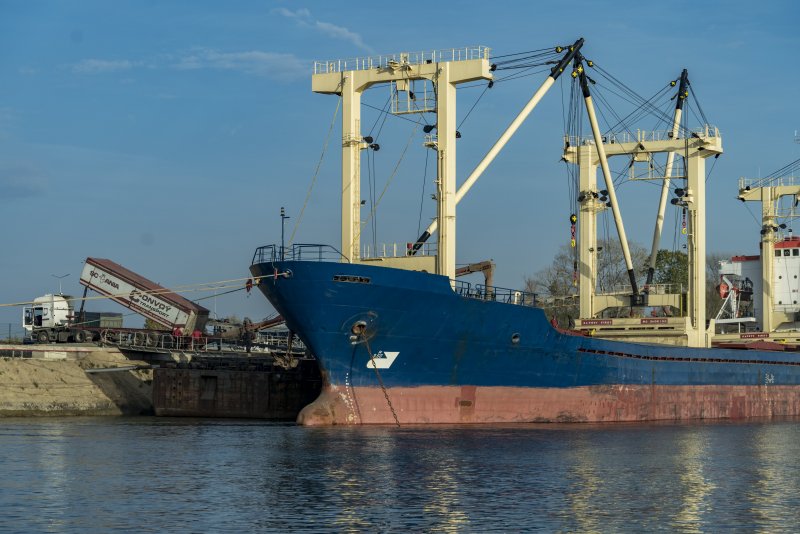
{"x": 287, "y": 360}
{"x": 380, "y": 381}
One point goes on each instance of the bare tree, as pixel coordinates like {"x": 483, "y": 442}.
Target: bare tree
{"x": 557, "y": 289}
{"x": 557, "y": 285}
{"x": 560, "y": 278}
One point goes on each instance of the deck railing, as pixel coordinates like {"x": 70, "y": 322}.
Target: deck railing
{"x": 298, "y": 252}
{"x": 643, "y": 136}
{"x": 397, "y": 250}
{"x": 653, "y": 289}
{"x": 166, "y": 342}
{"x": 776, "y": 181}
{"x": 401, "y": 59}
{"x": 497, "y": 294}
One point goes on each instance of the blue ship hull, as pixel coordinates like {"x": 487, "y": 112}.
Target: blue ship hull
{"x": 403, "y": 346}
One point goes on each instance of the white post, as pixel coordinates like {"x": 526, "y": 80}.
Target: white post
{"x": 696, "y": 245}
{"x": 446, "y": 196}
{"x": 351, "y": 169}
{"x": 767, "y": 258}
{"x": 587, "y": 230}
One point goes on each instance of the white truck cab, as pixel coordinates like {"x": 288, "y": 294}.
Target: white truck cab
{"x": 49, "y": 311}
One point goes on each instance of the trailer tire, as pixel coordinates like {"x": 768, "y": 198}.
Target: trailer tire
{"x": 43, "y": 337}
{"x": 80, "y": 336}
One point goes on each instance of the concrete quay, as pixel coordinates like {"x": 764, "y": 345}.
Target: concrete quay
{"x": 56, "y": 380}
{"x": 85, "y": 379}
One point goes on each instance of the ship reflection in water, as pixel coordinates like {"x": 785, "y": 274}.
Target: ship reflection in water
{"x": 160, "y": 474}
{"x": 774, "y": 493}
{"x": 692, "y": 453}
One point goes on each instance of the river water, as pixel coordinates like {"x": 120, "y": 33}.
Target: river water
{"x": 191, "y": 475}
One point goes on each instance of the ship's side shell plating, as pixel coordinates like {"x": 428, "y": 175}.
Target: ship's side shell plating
{"x": 390, "y": 340}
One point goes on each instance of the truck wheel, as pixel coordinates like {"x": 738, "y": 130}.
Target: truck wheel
{"x": 42, "y": 337}
{"x": 80, "y": 336}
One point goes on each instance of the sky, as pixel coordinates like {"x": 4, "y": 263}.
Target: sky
{"x": 167, "y": 135}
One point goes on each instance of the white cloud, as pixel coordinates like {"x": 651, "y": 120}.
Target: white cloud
{"x": 303, "y": 18}
{"x": 92, "y": 66}
{"x": 256, "y": 62}
{"x": 302, "y": 15}
{"x": 339, "y": 32}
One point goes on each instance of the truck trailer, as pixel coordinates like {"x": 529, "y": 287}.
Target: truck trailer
{"x": 51, "y": 318}
{"x": 143, "y": 296}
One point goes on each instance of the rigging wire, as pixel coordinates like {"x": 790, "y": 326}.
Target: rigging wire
{"x": 544, "y": 52}
{"x": 714, "y": 164}
{"x": 384, "y": 112}
{"x": 658, "y": 105}
{"x": 371, "y": 171}
{"x": 790, "y": 168}
{"x": 185, "y": 288}
{"x": 391, "y": 177}
{"x": 697, "y": 103}
{"x": 371, "y": 189}
{"x": 758, "y": 223}
{"x": 316, "y": 171}
{"x": 522, "y": 74}
{"x": 458, "y": 128}
{"x": 422, "y": 196}
{"x": 632, "y": 97}
{"x": 392, "y": 114}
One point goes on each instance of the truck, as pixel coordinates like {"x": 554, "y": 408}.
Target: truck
{"x": 52, "y": 318}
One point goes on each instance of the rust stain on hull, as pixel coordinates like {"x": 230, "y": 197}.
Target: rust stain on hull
{"x": 470, "y": 404}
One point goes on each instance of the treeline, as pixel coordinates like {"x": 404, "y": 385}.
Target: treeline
{"x": 554, "y": 284}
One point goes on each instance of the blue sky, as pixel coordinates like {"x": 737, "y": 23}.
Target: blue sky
{"x": 167, "y": 135}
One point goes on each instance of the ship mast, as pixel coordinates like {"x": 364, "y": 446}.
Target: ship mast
{"x": 662, "y": 204}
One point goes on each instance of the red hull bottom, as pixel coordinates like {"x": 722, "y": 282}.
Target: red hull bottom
{"x": 470, "y": 404}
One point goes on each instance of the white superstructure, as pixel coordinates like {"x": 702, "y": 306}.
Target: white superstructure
{"x": 784, "y": 299}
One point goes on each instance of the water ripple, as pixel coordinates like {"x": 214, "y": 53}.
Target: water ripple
{"x": 187, "y": 475}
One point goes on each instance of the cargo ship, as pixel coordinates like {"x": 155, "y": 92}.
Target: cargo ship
{"x": 400, "y": 340}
